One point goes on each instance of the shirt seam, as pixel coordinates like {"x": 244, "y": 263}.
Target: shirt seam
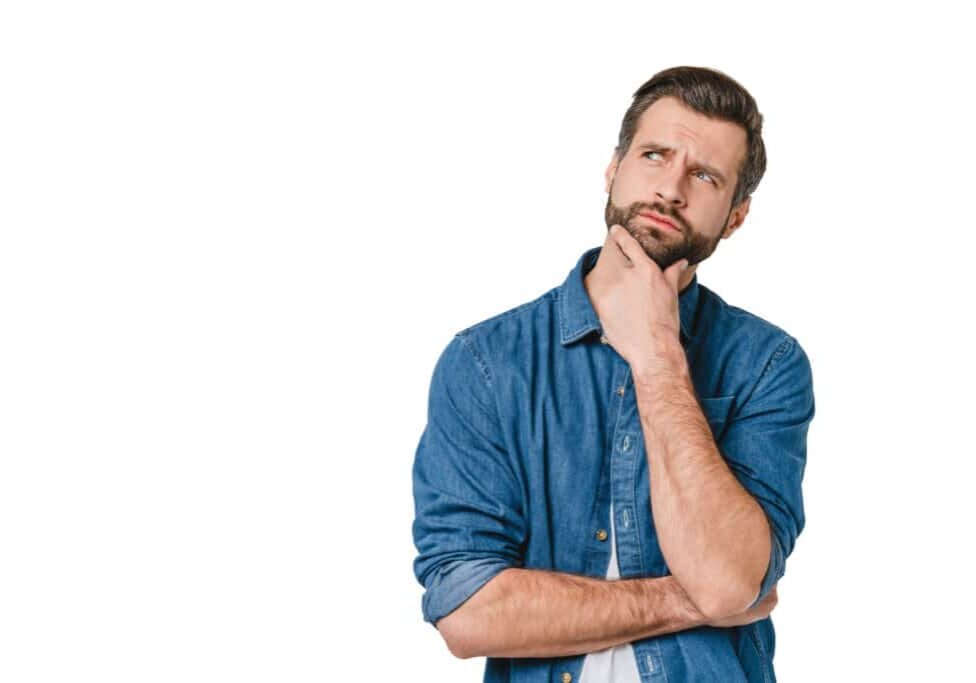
{"x": 781, "y": 350}
{"x": 785, "y": 347}
{"x": 482, "y": 365}
{"x": 511, "y": 459}
{"x": 502, "y": 317}
{"x": 761, "y": 650}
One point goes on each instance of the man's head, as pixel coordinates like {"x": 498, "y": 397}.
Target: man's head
{"x": 691, "y": 150}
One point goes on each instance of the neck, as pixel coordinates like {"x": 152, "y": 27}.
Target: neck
{"x": 685, "y": 279}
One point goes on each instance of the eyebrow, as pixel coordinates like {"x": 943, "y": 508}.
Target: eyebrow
{"x": 664, "y": 148}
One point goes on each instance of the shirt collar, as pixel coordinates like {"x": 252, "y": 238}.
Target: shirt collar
{"x": 577, "y": 317}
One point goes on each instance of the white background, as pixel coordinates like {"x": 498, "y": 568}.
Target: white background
{"x": 236, "y": 237}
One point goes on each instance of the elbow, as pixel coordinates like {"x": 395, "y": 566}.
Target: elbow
{"x": 722, "y": 604}
{"x": 457, "y": 635}
{"x": 466, "y": 629}
{"x": 734, "y": 592}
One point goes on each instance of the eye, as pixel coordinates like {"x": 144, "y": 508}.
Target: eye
{"x": 707, "y": 177}
{"x": 652, "y": 151}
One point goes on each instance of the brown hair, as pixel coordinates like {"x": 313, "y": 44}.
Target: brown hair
{"x": 715, "y": 95}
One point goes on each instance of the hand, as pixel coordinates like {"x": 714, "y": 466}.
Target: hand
{"x": 760, "y": 611}
{"x": 636, "y": 302}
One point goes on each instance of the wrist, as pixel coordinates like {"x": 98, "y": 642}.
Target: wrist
{"x": 687, "y": 613}
{"x": 667, "y": 360}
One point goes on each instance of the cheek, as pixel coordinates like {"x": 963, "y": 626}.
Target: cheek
{"x": 624, "y": 191}
{"x": 635, "y": 185}
{"x": 709, "y": 215}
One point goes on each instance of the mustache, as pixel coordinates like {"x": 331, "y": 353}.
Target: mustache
{"x": 678, "y": 220}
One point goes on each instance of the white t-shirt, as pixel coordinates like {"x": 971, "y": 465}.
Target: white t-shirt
{"x": 614, "y": 664}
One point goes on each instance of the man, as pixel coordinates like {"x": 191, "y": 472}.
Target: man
{"x": 608, "y": 484}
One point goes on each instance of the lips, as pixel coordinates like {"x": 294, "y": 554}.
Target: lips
{"x": 658, "y": 219}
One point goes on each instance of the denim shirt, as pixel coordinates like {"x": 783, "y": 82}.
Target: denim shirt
{"x": 533, "y": 429}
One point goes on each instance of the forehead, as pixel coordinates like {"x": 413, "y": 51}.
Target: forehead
{"x": 669, "y": 121}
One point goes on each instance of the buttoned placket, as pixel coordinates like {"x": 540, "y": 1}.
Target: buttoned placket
{"x": 627, "y": 447}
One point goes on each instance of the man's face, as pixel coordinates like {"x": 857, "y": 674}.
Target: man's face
{"x": 683, "y": 166}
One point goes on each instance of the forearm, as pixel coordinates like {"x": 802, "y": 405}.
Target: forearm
{"x": 712, "y": 532}
{"x": 539, "y": 613}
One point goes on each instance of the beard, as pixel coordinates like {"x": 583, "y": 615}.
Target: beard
{"x": 663, "y": 246}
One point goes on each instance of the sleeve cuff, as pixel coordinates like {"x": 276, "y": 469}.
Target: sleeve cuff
{"x": 452, "y": 584}
{"x": 775, "y": 571}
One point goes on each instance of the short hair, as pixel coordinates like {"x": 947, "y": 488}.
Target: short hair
{"x": 715, "y": 95}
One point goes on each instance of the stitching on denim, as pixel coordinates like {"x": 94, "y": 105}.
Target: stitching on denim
{"x": 569, "y": 334}
{"x": 512, "y": 468}
{"x": 663, "y": 667}
{"x": 501, "y": 317}
{"x": 785, "y": 347}
{"x": 564, "y": 324}
{"x": 633, "y": 495}
{"x": 746, "y": 397}
{"x": 578, "y": 330}
{"x": 613, "y": 447}
{"x": 482, "y": 365}
{"x": 757, "y": 643}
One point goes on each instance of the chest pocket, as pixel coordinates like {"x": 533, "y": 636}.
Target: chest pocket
{"x": 716, "y": 411}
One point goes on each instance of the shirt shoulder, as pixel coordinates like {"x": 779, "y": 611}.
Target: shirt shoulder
{"x": 747, "y": 346}
{"x": 742, "y": 330}
{"x": 507, "y": 335}
{"x": 721, "y": 316}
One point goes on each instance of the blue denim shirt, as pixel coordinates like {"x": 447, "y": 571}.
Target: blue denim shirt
{"x": 533, "y": 429}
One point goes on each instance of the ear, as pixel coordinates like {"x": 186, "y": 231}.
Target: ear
{"x": 736, "y": 217}
{"x": 611, "y": 171}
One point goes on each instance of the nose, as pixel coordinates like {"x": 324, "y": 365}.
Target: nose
{"x": 670, "y": 190}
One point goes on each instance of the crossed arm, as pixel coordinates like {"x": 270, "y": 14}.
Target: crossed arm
{"x": 539, "y": 613}
{"x": 712, "y": 533}
{"x": 488, "y": 606}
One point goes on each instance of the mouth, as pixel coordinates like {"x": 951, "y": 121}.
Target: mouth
{"x": 658, "y": 221}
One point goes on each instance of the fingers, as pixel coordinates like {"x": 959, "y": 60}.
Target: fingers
{"x": 628, "y": 245}
{"x": 635, "y": 254}
{"x": 673, "y": 272}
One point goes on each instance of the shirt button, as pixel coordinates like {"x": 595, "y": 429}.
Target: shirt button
{"x": 603, "y": 340}
{"x": 566, "y": 677}
{"x": 601, "y": 535}
{"x": 620, "y": 390}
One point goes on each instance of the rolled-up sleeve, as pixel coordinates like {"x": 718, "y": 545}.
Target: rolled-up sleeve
{"x": 765, "y": 446}
{"x": 469, "y": 520}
